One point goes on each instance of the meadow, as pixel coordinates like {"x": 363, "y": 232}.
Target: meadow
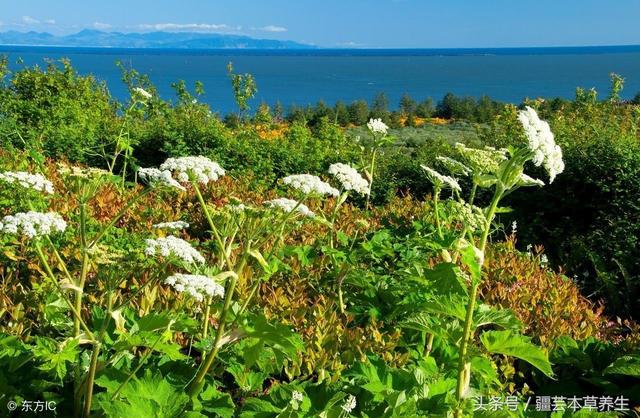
{"x": 464, "y": 259}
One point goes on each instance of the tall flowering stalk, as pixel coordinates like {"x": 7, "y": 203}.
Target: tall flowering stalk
{"x": 503, "y": 171}
{"x": 379, "y": 132}
{"x": 123, "y": 143}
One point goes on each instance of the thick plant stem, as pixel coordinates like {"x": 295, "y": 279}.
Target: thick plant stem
{"x": 52, "y": 277}
{"x": 214, "y": 230}
{"x": 207, "y": 311}
{"x": 464, "y": 344}
{"x": 428, "y": 345}
{"x": 464, "y": 368}
{"x": 371, "y": 168}
{"x": 472, "y": 195}
{"x": 88, "y": 397}
{"x": 194, "y": 387}
{"x": 436, "y": 195}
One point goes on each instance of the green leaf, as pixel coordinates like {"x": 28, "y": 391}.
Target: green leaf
{"x": 519, "y": 346}
{"x": 54, "y": 356}
{"x": 625, "y": 365}
{"x": 470, "y": 259}
{"x": 488, "y": 315}
{"x": 149, "y": 396}
{"x": 446, "y": 278}
{"x": 275, "y": 335}
{"x": 217, "y": 403}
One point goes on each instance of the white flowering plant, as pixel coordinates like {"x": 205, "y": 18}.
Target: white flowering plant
{"x": 380, "y": 138}
{"x": 503, "y": 171}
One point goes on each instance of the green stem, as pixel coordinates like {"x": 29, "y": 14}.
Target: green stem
{"x": 52, "y": 278}
{"x": 428, "y": 345}
{"x": 436, "y": 195}
{"x": 467, "y": 335}
{"x": 195, "y": 385}
{"x": 88, "y": 397}
{"x": 371, "y": 168}
{"x": 207, "y": 311}
{"x": 138, "y": 367}
{"x": 472, "y": 195}
{"x": 214, "y": 230}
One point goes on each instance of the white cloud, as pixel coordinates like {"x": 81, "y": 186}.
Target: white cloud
{"x": 204, "y": 27}
{"x": 29, "y": 20}
{"x": 271, "y": 28}
{"x": 101, "y": 25}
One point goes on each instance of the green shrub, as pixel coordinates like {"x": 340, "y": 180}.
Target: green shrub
{"x": 56, "y": 110}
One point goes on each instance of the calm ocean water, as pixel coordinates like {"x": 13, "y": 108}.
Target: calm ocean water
{"x": 303, "y": 77}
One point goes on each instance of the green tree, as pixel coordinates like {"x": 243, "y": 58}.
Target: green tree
{"x": 244, "y": 88}
{"x": 408, "y": 106}
{"x": 359, "y": 112}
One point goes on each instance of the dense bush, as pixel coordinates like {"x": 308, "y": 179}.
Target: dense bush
{"x": 56, "y": 110}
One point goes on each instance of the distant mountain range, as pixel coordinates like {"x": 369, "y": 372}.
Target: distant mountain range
{"x": 187, "y": 40}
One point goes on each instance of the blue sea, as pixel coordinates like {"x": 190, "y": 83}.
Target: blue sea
{"x": 304, "y": 77}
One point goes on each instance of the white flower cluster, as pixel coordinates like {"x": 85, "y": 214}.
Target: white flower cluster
{"x": 440, "y": 179}
{"x": 349, "y": 178}
{"x": 546, "y": 152}
{"x": 485, "y": 161}
{"x": 308, "y": 183}
{"x": 471, "y": 215}
{"x": 350, "y": 404}
{"x": 454, "y": 166}
{"x": 238, "y": 208}
{"x": 195, "y": 285}
{"x": 172, "y": 225}
{"x": 297, "y": 396}
{"x": 28, "y": 181}
{"x": 142, "y": 92}
{"x": 172, "y": 246}
{"x": 201, "y": 168}
{"x": 287, "y": 205}
{"x": 154, "y": 177}
{"x": 33, "y": 224}
{"x": 377, "y": 126}
{"x": 82, "y": 172}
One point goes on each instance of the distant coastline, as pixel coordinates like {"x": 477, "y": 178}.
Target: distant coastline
{"x": 305, "y": 76}
{"x": 319, "y": 51}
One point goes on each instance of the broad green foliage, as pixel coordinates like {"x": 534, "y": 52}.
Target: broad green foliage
{"x": 505, "y": 342}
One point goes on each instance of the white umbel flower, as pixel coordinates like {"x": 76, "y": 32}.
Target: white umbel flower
{"x": 200, "y": 168}
{"x": 377, "y": 126}
{"x": 172, "y": 225}
{"x": 350, "y": 404}
{"x": 27, "y": 180}
{"x": 542, "y": 143}
{"x": 297, "y": 396}
{"x": 308, "y": 183}
{"x": 155, "y": 177}
{"x": 172, "y": 246}
{"x": 195, "y": 285}
{"x": 142, "y": 92}
{"x": 440, "y": 179}
{"x": 288, "y": 205}
{"x": 349, "y": 178}
{"x": 33, "y": 224}
{"x": 454, "y": 166}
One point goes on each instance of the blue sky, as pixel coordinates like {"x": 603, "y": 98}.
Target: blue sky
{"x": 349, "y": 23}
